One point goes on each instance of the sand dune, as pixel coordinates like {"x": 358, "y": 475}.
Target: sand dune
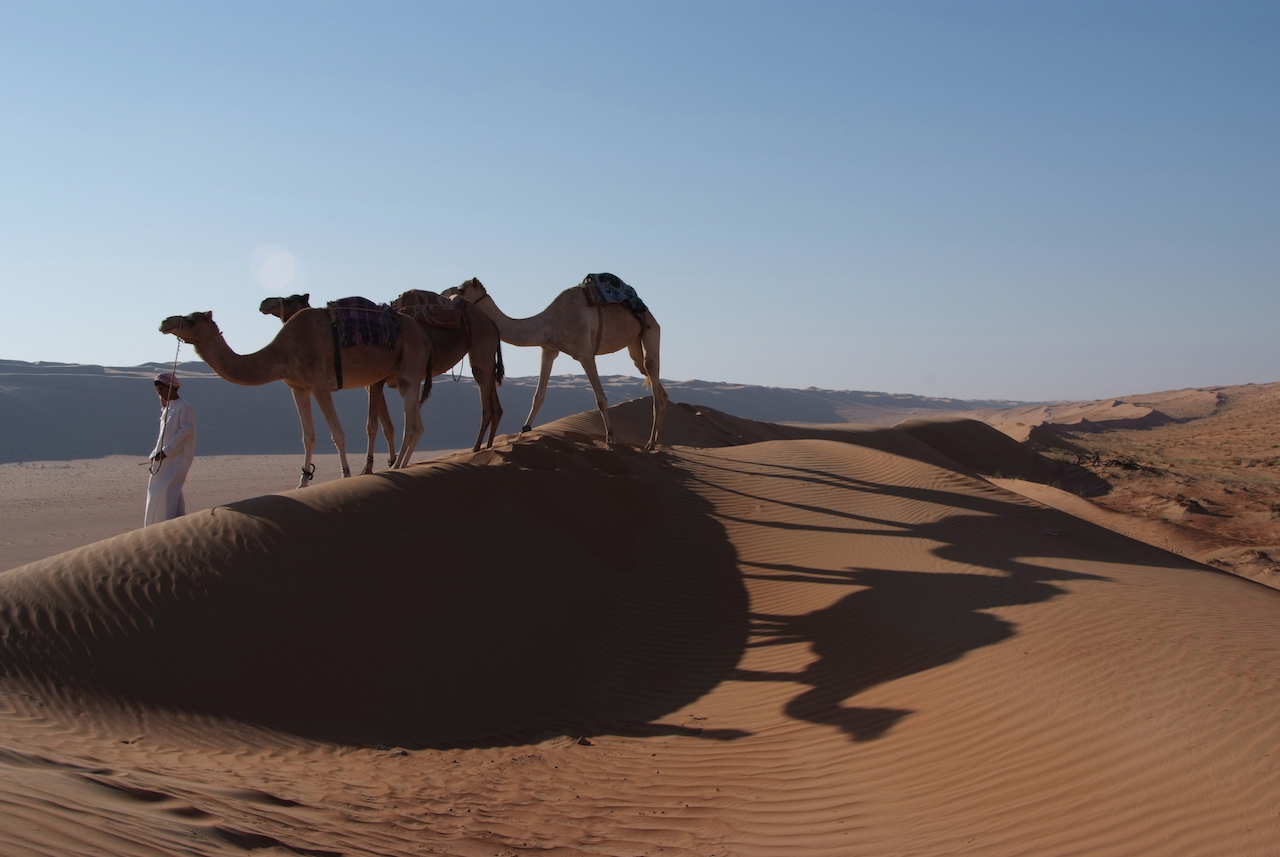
{"x": 763, "y": 639}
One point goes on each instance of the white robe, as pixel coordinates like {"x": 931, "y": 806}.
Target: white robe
{"x": 178, "y": 442}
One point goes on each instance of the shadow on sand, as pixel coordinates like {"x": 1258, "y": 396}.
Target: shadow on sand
{"x": 900, "y": 622}
{"x": 567, "y": 590}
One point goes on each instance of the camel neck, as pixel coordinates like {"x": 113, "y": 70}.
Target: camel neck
{"x": 249, "y": 370}
{"x": 513, "y": 331}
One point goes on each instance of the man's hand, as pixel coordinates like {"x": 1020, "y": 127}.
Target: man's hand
{"x": 159, "y": 456}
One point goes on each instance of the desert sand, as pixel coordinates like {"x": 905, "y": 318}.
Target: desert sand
{"x": 47, "y": 507}
{"x": 762, "y": 639}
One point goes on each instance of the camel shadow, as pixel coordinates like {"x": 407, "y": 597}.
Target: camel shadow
{"x": 903, "y": 622}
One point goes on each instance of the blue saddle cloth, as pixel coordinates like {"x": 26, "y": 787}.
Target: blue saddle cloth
{"x": 609, "y": 289}
{"x": 362, "y": 322}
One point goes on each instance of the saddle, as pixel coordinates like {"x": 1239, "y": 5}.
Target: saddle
{"x": 604, "y": 289}
{"x": 359, "y": 321}
{"x": 430, "y": 309}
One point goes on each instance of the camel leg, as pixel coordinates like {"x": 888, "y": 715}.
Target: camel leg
{"x": 325, "y": 400}
{"x": 495, "y": 412}
{"x": 490, "y": 409}
{"x": 302, "y": 400}
{"x": 412, "y": 419}
{"x": 644, "y": 352}
{"x": 549, "y": 356}
{"x": 589, "y": 366}
{"x": 379, "y": 415}
{"x": 388, "y": 428}
{"x": 371, "y": 424}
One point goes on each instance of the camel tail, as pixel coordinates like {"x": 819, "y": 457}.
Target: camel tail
{"x": 499, "y": 371}
{"x": 426, "y": 384}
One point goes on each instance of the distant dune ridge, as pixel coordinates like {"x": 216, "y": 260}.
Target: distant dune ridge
{"x": 763, "y": 638}
{"x": 234, "y": 420}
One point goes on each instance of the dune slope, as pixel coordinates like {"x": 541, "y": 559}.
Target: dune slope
{"x": 763, "y": 639}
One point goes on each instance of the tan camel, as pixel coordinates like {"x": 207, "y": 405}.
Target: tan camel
{"x": 284, "y": 309}
{"x": 302, "y": 355}
{"x": 477, "y": 338}
{"x": 568, "y": 324}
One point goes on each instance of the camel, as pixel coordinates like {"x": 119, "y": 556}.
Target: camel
{"x": 302, "y": 355}
{"x": 568, "y": 324}
{"x": 477, "y": 338}
{"x": 284, "y": 309}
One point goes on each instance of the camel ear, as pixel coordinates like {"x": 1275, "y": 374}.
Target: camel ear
{"x": 307, "y": 297}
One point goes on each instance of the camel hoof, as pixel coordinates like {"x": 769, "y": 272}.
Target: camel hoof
{"x": 346, "y": 472}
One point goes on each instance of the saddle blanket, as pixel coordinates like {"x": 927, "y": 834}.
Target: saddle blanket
{"x": 608, "y": 289}
{"x": 450, "y": 318}
{"x": 362, "y": 322}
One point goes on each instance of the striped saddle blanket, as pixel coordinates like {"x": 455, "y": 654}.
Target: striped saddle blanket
{"x": 360, "y": 321}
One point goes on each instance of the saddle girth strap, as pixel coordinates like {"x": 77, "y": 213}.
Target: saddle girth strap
{"x": 337, "y": 348}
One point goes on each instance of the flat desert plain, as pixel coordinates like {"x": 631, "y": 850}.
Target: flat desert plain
{"x": 761, "y": 639}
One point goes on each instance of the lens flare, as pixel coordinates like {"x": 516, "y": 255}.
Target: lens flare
{"x": 275, "y": 268}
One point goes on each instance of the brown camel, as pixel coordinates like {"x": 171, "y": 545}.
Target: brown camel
{"x": 302, "y": 355}
{"x": 477, "y": 337}
{"x": 284, "y": 309}
{"x": 568, "y": 324}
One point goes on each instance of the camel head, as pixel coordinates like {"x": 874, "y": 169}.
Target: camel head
{"x": 471, "y": 291}
{"x": 284, "y": 308}
{"x": 194, "y": 328}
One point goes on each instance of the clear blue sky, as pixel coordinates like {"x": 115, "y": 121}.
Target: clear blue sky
{"x": 1031, "y": 200}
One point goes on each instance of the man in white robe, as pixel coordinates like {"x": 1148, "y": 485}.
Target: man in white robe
{"x": 174, "y": 452}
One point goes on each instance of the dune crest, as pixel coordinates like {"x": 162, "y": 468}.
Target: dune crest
{"x": 760, "y": 639}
